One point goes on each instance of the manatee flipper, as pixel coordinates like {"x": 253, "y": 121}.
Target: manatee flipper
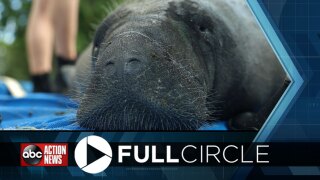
{"x": 244, "y": 121}
{"x": 254, "y": 121}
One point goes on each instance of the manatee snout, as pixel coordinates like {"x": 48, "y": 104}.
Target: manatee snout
{"x": 138, "y": 84}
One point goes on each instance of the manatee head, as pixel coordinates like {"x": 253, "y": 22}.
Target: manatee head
{"x": 150, "y": 70}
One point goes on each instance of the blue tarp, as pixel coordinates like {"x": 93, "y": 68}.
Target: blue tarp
{"x": 46, "y": 111}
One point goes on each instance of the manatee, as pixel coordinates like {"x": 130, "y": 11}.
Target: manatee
{"x": 170, "y": 65}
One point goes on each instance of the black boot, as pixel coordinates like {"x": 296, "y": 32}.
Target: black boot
{"x": 41, "y": 83}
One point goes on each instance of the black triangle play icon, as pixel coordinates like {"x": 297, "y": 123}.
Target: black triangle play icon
{"x": 93, "y": 154}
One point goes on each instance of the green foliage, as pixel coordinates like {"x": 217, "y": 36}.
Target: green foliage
{"x": 13, "y": 58}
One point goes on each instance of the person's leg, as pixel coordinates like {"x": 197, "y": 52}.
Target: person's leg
{"x": 40, "y": 35}
{"x": 66, "y": 28}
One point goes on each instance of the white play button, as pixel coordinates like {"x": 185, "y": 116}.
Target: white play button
{"x": 93, "y": 154}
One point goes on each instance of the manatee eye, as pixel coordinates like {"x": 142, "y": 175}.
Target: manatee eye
{"x": 202, "y": 28}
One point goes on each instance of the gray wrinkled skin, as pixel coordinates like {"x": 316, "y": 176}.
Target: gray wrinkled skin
{"x": 175, "y": 65}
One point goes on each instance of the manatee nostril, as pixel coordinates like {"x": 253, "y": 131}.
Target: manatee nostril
{"x": 109, "y": 68}
{"x": 133, "y": 65}
{"x": 134, "y": 60}
{"x": 109, "y": 63}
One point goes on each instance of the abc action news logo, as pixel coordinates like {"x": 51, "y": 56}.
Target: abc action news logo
{"x": 93, "y": 154}
{"x": 44, "y": 154}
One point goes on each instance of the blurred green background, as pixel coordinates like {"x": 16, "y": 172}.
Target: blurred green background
{"x": 13, "y": 22}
